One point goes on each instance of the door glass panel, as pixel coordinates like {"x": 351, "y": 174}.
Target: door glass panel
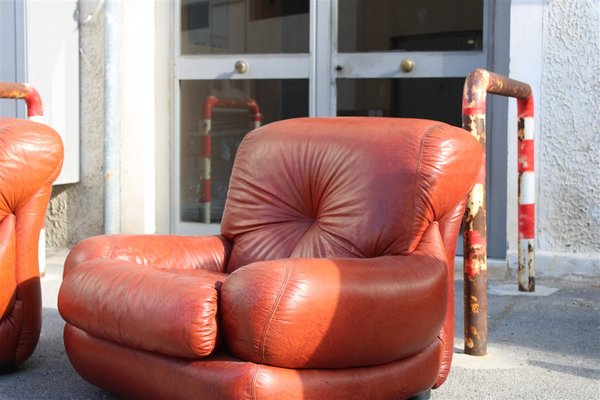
{"x": 210, "y": 136}
{"x": 244, "y": 27}
{"x": 424, "y": 25}
{"x": 438, "y": 99}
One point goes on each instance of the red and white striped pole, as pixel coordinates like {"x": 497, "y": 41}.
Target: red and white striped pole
{"x": 526, "y": 161}
{"x": 35, "y": 112}
{"x": 206, "y": 122}
{"x": 210, "y": 103}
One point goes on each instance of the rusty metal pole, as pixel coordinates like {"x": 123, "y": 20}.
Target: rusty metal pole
{"x": 12, "y": 90}
{"x": 478, "y": 83}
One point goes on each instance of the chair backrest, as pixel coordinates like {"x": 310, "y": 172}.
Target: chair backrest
{"x": 31, "y": 156}
{"x": 345, "y": 187}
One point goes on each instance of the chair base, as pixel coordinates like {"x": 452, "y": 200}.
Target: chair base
{"x": 221, "y": 376}
{"x": 423, "y": 396}
{"x": 8, "y": 369}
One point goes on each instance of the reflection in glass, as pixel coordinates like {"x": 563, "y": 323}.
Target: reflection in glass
{"x": 244, "y": 26}
{"x": 438, "y": 99}
{"x": 423, "y": 25}
{"x": 207, "y": 160}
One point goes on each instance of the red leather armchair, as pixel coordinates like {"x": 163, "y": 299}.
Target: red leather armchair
{"x": 332, "y": 276}
{"x": 31, "y": 156}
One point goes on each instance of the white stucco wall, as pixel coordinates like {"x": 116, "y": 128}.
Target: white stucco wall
{"x": 569, "y": 150}
{"x": 562, "y": 63}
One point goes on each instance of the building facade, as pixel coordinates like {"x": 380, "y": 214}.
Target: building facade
{"x": 326, "y": 58}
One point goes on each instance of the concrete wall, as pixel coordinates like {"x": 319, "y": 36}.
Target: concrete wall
{"x": 569, "y": 151}
{"x": 75, "y": 210}
{"x": 555, "y": 47}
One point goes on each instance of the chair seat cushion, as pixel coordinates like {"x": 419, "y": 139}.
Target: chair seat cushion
{"x": 173, "y": 312}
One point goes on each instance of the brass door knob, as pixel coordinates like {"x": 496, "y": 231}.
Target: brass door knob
{"x": 241, "y": 67}
{"x": 407, "y": 65}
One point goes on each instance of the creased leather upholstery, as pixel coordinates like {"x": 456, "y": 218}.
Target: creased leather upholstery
{"x": 332, "y": 276}
{"x": 31, "y": 156}
{"x": 299, "y": 311}
{"x": 363, "y": 189}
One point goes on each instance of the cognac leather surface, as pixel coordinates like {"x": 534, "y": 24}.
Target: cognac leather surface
{"x": 337, "y": 312}
{"x": 208, "y": 253}
{"x": 332, "y": 279}
{"x": 449, "y": 224}
{"x": 343, "y": 187}
{"x": 31, "y": 156}
{"x": 116, "y": 286}
{"x": 136, "y": 374}
{"x": 117, "y": 300}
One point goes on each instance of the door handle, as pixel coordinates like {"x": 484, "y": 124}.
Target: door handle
{"x": 407, "y": 65}
{"x": 241, "y": 66}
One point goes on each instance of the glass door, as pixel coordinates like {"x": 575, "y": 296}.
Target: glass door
{"x": 406, "y": 58}
{"x": 293, "y": 58}
{"x": 238, "y": 64}
{"x": 410, "y": 59}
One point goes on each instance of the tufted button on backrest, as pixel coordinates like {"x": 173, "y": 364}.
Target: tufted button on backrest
{"x": 342, "y": 187}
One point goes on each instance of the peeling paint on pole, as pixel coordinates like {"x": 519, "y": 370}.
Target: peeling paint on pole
{"x": 478, "y": 83}
{"x": 474, "y": 222}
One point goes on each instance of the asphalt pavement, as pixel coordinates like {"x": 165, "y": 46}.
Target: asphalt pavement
{"x": 540, "y": 346}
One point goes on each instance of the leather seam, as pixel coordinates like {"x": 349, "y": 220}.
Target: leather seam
{"x": 110, "y": 250}
{"x": 254, "y": 380}
{"x": 273, "y": 310}
{"x": 426, "y": 135}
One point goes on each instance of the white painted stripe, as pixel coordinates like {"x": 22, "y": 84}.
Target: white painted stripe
{"x": 207, "y": 170}
{"x": 37, "y": 118}
{"x": 207, "y": 212}
{"x": 527, "y": 188}
{"x": 528, "y": 128}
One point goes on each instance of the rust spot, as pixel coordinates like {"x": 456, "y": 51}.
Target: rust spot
{"x": 469, "y": 343}
{"x": 521, "y": 129}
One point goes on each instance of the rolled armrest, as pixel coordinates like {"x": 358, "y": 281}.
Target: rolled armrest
{"x": 208, "y": 253}
{"x": 337, "y": 313}
{"x": 31, "y": 156}
{"x": 171, "y": 312}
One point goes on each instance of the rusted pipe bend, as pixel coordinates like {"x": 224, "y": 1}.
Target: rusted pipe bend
{"x": 478, "y": 83}
{"x": 12, "y": 90}
{"x": 212, "y": 102}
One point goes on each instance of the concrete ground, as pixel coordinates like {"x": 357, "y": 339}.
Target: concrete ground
{"x": 541, "y": 346}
